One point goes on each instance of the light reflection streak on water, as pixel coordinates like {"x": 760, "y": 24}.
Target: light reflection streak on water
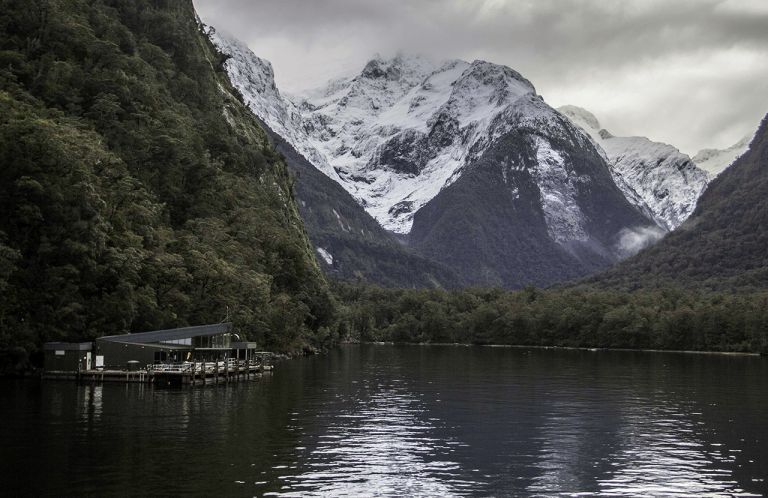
{"x": 658, "y": 454}
{"x": 661, "y": 455}
{"x": 564, "y": 441}
{"x": 383, "y": 446}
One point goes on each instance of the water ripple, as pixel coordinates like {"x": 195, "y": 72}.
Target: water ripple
{"x": 382, "y": 446}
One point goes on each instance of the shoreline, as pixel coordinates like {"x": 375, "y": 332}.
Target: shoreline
{"x": 565, "y": 348}
{"x": 37, "y": 372}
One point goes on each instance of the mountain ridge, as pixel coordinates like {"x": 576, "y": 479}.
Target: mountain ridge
{"x": 401, "y": 133}
{"x": 715, "y": 161}
{"x": 657, "y": 177}
{"x": 722, "y": 245}
{"x": 349, "y": 243}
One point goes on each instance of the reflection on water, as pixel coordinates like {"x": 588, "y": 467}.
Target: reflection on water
{"x": 384, "y": 444}
{"x": 641, "y": 449}
{"x": 567, "y": 454}
{"x": 662, "y": 455}
{"x": 404, "y": 421}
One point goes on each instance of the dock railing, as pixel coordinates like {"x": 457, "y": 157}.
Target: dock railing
{"x": 231, "y": 365}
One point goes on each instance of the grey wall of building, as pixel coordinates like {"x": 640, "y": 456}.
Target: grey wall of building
{"x": 118, "y": 354}
{"x": 67, "y": 362}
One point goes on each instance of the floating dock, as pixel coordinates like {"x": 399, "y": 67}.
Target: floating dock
{"x": 191, "y": 373}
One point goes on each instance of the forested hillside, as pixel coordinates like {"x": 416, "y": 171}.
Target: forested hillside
{"x": 670, "y": 319}
{"x": 723, "y": 245}
{"x": 136, "y": 190}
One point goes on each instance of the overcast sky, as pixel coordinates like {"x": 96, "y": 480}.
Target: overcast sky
{"x": 693, "y": 73}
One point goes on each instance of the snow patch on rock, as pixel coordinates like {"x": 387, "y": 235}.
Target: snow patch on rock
{"x": 327, "y": 256}
{"x": 565, "y": 221}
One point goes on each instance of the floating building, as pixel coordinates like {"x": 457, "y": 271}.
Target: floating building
{"x": 191, "y": 349}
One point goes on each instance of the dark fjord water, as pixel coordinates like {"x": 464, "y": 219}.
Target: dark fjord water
{"x": 404, "y": 421}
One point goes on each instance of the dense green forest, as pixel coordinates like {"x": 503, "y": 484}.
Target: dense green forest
{"x": 137, "y": 191}
{"x": 673, "y": 319}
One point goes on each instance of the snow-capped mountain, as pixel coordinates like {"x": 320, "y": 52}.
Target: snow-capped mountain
{"x": 463, "y": 160}
{"x": 406, "y": 128}
{"x": 714, "y": 161}
{"x": 401, "y": 130}
{"x": 654, "y": 176}
{"x": 349, "y": 243}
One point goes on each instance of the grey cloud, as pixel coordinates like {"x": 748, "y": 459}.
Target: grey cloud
{"x": 562, "y": 46}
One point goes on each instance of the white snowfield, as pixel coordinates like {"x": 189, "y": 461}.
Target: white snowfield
{"x": 715, "y": 161}
{"x": 656, "y": 177}
{"x": 405, "y": 128}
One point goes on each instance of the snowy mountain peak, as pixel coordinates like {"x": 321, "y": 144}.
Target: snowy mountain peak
{"x": 654, "y": 176}
{"x": 500, "y": 77}
{"x": 402, "y": 129}
{"x": 410, "y": 69}
{"x": 714, "y": 161}
{"x": 580, "y": 117}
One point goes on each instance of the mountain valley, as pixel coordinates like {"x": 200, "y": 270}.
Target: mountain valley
{"x": 464, "y": 166}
